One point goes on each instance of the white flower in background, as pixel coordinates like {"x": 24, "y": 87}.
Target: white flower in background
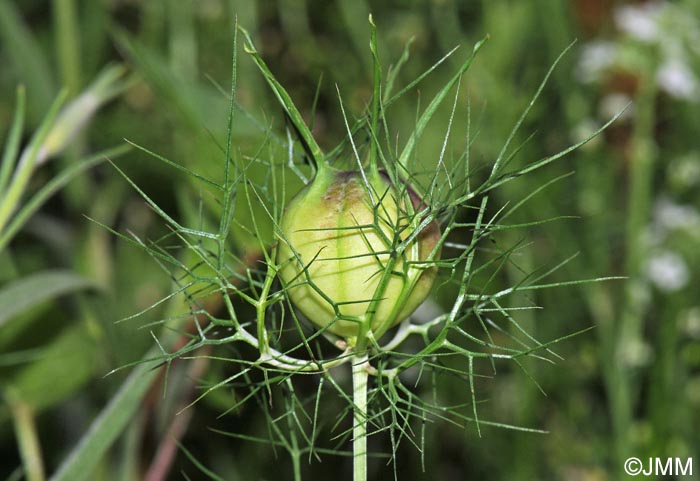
{"x": 614, "y": 103}
{"x": 649, "y": 31}
{"x": 668, "y": 271}
{"x": 677, "y": 79}
{"x": 596, "y": 58}
{"x": 640, "y": 21}
{"x": 690, "y": 322}
{"x": 684, "y": 171}
{"x": 671, "y": 216}
{"x": 635, "y": 353}
{"x": 585, "y": 129}
{"x": 675, "y": 33}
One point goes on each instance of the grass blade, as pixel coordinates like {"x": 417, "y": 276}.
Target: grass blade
{"x": 13, "y": 140}
{"x": 27, "y": 58}
{"x": 27, "y": 292}
{"x": 107, "y": 427}
{"x": 53, "y": 186}
{"x": 25, "y": 167}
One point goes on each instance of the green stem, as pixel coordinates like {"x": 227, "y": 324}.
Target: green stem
{"x": 12, "y": 145}
{"x": 297, "y": 467}
{"x": 182, "y": 39}
{"x": 374, "y": 147}
{"x": 294, "y": 444}
{"x": 261, "y": 305}
{"x": 68, "y": 44}
{"x": 359, "y": 430}
{"x": 27, "y": 439}
{"x": 624, "y": 381}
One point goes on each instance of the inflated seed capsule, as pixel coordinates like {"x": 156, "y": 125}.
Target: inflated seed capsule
{"x": 342, "y": 256}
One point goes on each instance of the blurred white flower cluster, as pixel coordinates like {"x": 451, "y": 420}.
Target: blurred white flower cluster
{"x": 666, "y": 268}
{"x": 655, "y": 41}
{"x": 659, "y": 33}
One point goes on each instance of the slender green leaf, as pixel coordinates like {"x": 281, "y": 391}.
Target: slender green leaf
{"x": 20, "y": 295}
{"x": 24, "y": 419}
{"x": 197, "y": 106}
{"x": 27, "y": 57}
{"x": 68, "y": 45}
{"x": 60, "y": 369}
{"x": 13, "y": 139}
{"x": 110, "y": 423}
{"x": 53, "y": 186}
{"x": 20, "y": 179}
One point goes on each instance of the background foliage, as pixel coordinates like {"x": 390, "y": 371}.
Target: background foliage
{"x": 630, "y": 386}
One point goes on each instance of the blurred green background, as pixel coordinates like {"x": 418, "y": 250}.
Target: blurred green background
{"x": 628, "y": 387}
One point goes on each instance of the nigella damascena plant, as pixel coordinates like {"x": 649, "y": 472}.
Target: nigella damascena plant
{"x": 357, "y": 255}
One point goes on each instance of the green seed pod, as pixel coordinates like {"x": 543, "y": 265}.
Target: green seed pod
{"x": 342, "y": 255}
